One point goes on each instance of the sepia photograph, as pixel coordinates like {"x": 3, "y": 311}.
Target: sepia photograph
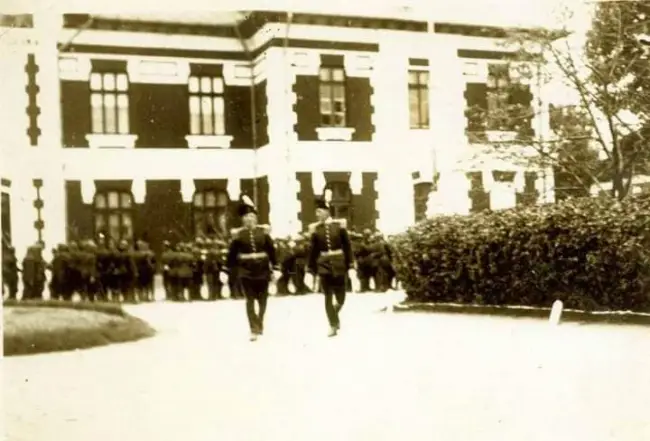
{"x": 325, "y": 221}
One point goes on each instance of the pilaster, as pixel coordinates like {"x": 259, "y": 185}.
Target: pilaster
{"x": 447, "y": 107}
{"x": 394, "y": 183}
{"x": 23, "y": 214}
{"x": 48, "y": 25}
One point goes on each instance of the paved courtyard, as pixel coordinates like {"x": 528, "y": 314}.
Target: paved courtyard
{"x": 386, "y": 377}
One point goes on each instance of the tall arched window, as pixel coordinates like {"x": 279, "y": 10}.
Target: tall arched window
{"x": 209, "y": 213}
{"x": 114, "y": 215}
{"x": 341, "y": 203}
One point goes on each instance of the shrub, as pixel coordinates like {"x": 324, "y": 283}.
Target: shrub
{"x": 33, "y": 327}
{"x": 592, "y": 253}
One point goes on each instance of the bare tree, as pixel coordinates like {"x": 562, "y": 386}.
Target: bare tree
{"x": 602, "y": 134}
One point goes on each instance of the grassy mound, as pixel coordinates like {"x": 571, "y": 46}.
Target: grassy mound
{"x": 593, "y": 254}
{"x": 43, "y": 326}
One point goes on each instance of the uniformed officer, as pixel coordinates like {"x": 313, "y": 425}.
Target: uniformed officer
{"x": 330, "y": 258}
{"x": 252, "y": 253}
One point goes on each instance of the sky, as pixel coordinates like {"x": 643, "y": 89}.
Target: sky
{"x": 496, "y": 12}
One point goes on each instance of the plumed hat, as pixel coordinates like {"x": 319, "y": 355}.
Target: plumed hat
{"x": 324, "y": 202}
{"x": 246, "y": 205}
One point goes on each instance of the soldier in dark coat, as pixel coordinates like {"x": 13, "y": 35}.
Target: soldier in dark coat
{"x": 125, "y": 271}
{"x": 301, "y": 257}
{"x": 364, "y": 261}
{"x": 73, "y": 270}
{"x": 212, "y": 267}
{"x": 198, "y": 258}
{"x": 284, "y": 254}
{"x": 252, "y": 252}
{"x": 33, "y": 273}
{"x": 89, "y": 286}
{"x": 10, "y": 272}
{"x": 330, "y": 258}
{"x": 146, "y": 268}
{"x": 104, "y": 269}
{"x": 166, "y": 259}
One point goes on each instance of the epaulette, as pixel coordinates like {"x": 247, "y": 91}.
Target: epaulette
{"x": 266, "y": 228}
{"x": 312, "y": 227}
{"x": 343, "y": 223}
{"x": 235, "y": 231}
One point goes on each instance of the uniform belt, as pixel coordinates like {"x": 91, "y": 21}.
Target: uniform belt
{"x": 332, "y": 253}
{"x": 252, "y": 256}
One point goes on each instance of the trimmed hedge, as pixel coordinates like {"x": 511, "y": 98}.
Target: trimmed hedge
{"x": 591, "y": 253}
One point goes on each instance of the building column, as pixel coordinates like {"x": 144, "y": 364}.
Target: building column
{"x": 452, "y": 195}
{"x": 283, "y": 187}
{"x": 23, "y": 214}
{"x": 394, "y": 181}
{"x": 48, "y": 25}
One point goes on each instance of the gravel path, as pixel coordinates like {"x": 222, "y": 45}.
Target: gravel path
{"x": 386, "y": 377}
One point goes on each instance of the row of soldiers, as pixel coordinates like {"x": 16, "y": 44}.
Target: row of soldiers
{"x": 105, "y": 271}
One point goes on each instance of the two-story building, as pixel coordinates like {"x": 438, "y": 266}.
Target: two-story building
{"x": 151, "y": 129}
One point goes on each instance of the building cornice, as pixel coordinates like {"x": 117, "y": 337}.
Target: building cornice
{"x": 256, "y": 20}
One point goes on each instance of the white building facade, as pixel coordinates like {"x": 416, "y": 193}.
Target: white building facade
{"x": 152, "y": 130}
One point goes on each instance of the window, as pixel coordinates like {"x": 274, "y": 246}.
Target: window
{"x": 207, "y": 107}
{"x": 209, "y": 212}
{"x": 109, "y": 101}
{"x": 498, "y": 95}
{"x": 332, "y": 97}
{"x": 419, "y": 99}
{"x": 421, "y": 199}
{"x": 341, "y": 203}
{"x": 113, "y": 215}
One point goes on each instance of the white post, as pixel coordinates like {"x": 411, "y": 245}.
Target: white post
{"x": 556, "y": 313}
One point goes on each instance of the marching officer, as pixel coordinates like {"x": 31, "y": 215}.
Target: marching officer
{"x": 330, "y": 258}
{"x": 252, "y": 253}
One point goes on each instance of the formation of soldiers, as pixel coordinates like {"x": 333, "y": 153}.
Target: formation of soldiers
{"x": 101, "y": 270}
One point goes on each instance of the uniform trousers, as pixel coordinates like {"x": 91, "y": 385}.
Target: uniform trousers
{"x": 333, "y": 288}
{"x": 255, "y": 291}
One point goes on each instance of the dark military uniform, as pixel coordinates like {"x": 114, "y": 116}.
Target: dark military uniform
{"x": 125, "y": 272}
{"x": 252, "y": 253}
{"x": 198, "y": 258}
{"x": 33, "y": 274}
{"x": 88, "y": 271}
{"x": 105, "y": 262}
{"x": 301, "y": 257}
{"x": 330, "y": 258}
{"x": 385, "y": 271}
{"x": 145, "y": 263}
{"x": 364, "y": 262}
{"x": 184, "y": 271}
{"x": 10, "y": 272}
{"x": 212, "y": 267}
{"x": 166, "y": 259}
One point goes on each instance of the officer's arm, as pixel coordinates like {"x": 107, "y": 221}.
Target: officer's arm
{"x": 270, "y": 251}
{"x": 347, "y": 249}
{"x": 233, "y": 251}
{"x": 313, "y": 253}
